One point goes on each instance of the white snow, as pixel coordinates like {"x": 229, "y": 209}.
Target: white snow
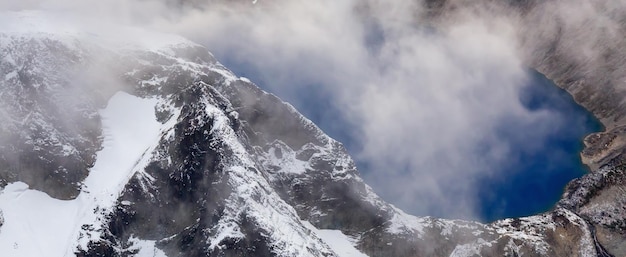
{"x": 402, "y": 222}
{"x": 287, "y": 162}
{"x": 341, "y": 244}
{"x": 145, "y": 248}
{"x": 468, "y": 250}
{"x": 130, "y": 127}
{"x": 10, "y": 75}
{"x": 267, "y": 210}
{"x": 39, "y": 225}
{"x": 35, "y": 224}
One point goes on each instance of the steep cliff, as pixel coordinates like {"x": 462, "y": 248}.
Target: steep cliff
{"x": 214, "y": 166}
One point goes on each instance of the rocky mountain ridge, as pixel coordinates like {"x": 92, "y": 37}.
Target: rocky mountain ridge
{"x": 234, "y": 171}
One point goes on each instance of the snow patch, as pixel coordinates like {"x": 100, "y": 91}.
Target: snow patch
{"x": 130, "y": 132}
{"x": 36, "y": 224}
{"x": 468, "y": 250}
{"x": 146, "y": 248}
{"x": 39, "y": 225}
{"x": 282, "y": 156}
{"x": 130, "y": 127}
{"x": 341, "y": 244}
{"x": 402, "y": 223}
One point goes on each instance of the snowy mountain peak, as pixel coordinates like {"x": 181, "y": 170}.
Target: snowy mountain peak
{"x": 132, "y": 143}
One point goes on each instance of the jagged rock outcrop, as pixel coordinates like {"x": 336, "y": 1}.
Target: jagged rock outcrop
{"x": 49, "y": 138}
{"x": 237, "y": 172}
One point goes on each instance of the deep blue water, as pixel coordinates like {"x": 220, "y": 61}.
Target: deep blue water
{"x": 535, "y": 182}
{"x": 535, "y": 178}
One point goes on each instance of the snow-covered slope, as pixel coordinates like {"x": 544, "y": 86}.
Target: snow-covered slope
{"x": 131, "y": 140}
{"x": 39, "y": 225}
{"x": 190, "y": 160}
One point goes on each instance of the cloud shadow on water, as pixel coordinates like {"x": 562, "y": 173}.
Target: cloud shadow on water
{"x": 538, "y": 173}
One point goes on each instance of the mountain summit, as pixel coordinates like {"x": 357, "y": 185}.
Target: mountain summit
{"x": 115, "y": 146}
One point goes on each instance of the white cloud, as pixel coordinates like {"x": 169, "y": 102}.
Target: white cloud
{"x": 426, "y": 104}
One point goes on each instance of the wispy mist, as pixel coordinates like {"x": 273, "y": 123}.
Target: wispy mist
{"x": 425, "y": 102}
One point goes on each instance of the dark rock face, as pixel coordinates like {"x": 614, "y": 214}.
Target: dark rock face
{"x": 238, "y": 172}
{"x": 48, "y": 136}
{"x": 200, "y": 194}
{"x": 191, "y": 181}
{"x": 599, "y": 198}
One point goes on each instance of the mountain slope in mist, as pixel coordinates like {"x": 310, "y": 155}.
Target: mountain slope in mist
{"x": 159, "y": 150}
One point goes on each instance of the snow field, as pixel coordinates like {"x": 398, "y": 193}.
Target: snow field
{"x": 36, "y": 224}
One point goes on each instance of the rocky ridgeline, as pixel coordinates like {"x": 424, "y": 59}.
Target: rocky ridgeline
{"x": 238, "y": 172}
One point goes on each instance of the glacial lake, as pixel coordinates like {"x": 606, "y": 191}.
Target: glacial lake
{"x": 534, "y": 183}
